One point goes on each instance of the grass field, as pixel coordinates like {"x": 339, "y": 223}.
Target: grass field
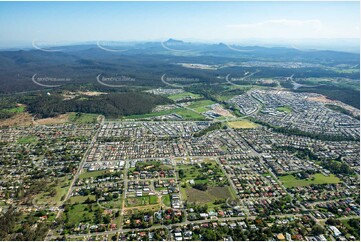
{"x": 141, "y": 201}
{"x": 286, "y": 109}
{"x": 82, "y": 118}
{"x": 182, "y": 95}
{"x": 81, "y": 199}
{"x": 242, "y": 124}
{"x": 189, "y": 115}
{"x": 61, "y": 190}
{"x": 208, "y": 172}
{"x": 19, "y": 109}
{"x": 209, "y": 196}
{"x": 80, "y": 213}
{"x": 153, "y": 199}
{"x": 136, "y": 201}
{"x": 166, "y": 200}
{"x": 92, "y": 174}
{"x": 318, "y": 178}
{"x": 27, "y": 140}
{"x": 196, "y": 173}
{"x": 114, "y": 203}
{"x": 201, "y": 106}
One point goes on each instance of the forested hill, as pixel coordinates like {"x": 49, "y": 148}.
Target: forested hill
{"x": 110, "y": 105}
{"x": 147, "y": 62}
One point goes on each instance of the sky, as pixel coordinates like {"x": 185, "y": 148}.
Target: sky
{"x": 58, "y": 22}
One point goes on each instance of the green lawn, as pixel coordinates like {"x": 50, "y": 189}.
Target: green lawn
{"x": 292, "y": 181}
{"x": 286, "y": 109}
{"x": 153, "y": 199}
{"x": 166, "y": 200}
{"x": 16, "y": 109}
{"x": 80, "y": 213}
{"x": 82, "y": 118}
{"x": 201, "y": 106}
{"x": 189, "y": 115}
{"x": 92, "y": 174}
{"x": 27, "y": 140}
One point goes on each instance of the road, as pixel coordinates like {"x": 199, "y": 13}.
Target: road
{"x": 228, "y": 219}
{"x": 121, "y": 230}
{"x": 81, "y": 165}
{"x": 233, "y": 84}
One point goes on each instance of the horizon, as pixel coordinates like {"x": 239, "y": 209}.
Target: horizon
{"x": 321, "y": 44}
{"x": 212, "y": 22}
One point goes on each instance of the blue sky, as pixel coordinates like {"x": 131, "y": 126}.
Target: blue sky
{"x": 23, "y": 22}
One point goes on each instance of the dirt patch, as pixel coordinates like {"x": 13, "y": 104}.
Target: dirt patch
{"x": 324, "y": 99}
{"x": 221, "y": 111}
{"x": 26, "y": 119}
{"x": 92, "y": 93}
{"x": 62, "y": 118}
{"x": 320, "y": 98}
{"x": 20, "y": 119}
{"x": 71, "y": 95}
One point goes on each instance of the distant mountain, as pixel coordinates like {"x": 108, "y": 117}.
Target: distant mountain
{"x": 169, "y": 41}
{"x": 147, "y": 61}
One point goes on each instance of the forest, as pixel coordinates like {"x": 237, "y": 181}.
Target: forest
{"x": 111, "y": 105}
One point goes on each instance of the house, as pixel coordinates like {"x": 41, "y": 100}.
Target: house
{"x": 280, "y": 237}
{"x": 335, "y": 231}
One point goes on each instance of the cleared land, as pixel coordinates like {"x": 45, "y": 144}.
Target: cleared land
{"x": 318, "y": 178}
{"x": 209, "y": 196}
{"x": 62, "y": 118}
{"x": 185, "y": 113}
{"x": 21, "y": 119}
{"x": 141, "y": 201}
{"x": 208, "y": 175}
{"x": 242, "y": 124}
{"x": 184, "y": 95}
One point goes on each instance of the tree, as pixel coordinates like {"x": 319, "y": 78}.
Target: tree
{"x": 317, "y": 230}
